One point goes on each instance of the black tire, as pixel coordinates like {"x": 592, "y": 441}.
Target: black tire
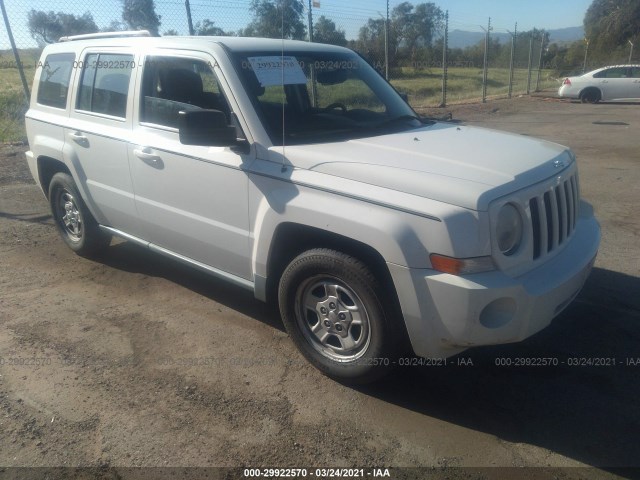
{"x": 76, "y": 225}
{"x": 337, "y": 297}
{"x": 590, "y": 95}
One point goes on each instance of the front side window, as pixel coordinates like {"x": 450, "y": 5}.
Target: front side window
{"x": 54, "y": 79}
{"x": 311, "y": 97}
{"x": 174, "y": 84}
{"x": 104, "y": 86}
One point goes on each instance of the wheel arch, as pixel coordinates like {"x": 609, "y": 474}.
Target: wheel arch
{"x": 291, "y": 239}
{"x": 47, "y": 168}
{"x": 590, "y": 88}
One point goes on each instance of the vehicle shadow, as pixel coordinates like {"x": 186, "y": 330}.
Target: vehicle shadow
{"x": 586, "y": 407}
{"x": 129, "y": 257}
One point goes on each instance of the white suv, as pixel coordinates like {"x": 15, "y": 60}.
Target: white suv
{"x": 296, "y": 171}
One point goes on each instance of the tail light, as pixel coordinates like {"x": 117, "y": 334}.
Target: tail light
{"x": 566, "y": 82}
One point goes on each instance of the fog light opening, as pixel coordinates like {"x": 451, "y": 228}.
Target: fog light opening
{"x": 498, "y": 313}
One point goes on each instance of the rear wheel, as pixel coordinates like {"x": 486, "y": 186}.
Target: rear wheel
{"x": 334, "y": 310}
{"x": 76, "y": 225}
{"x": 590, "y": 95}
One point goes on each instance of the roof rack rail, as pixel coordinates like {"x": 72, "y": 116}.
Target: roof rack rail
{"x": 87, "y": 36}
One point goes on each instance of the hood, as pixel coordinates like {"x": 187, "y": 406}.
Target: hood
{"x": 456, "y": 164}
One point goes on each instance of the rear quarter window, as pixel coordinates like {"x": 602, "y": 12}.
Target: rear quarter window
{"x": 55, "y": 74}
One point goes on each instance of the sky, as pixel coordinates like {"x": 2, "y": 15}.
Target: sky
{"x": 347, "y": 14}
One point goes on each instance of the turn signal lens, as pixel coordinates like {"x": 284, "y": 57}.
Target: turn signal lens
{"x": 461, "y": 266}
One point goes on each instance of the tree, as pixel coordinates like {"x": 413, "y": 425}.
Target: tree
{"x": 276, "y": 19}
{"x": 371, "y": 42}
{"x": 48, "y": 27}
{"x": 141, "y": 15}
{"x": 325, "y": 31}
{"x": 611, "y": 23}
{"x": 209, "y": 28}
{"x": 415, "y": 26}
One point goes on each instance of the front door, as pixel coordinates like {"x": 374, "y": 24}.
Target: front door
{"x": 192, "y": 200}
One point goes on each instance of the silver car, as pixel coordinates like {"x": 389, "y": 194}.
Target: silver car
{"x": 607, "y": 84}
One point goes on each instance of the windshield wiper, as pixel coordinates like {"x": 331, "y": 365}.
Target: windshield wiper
{"x": 403, "y": 118}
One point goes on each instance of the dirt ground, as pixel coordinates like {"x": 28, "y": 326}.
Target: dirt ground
{"x": 131, "y": 360}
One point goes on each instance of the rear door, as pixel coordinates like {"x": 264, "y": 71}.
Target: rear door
{"x": 97, "y": 135}
{"x": 614, "y": 83}
{"x": 192, "y": 200}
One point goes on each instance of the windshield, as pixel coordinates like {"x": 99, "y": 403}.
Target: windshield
{"x": 321, "y": 97}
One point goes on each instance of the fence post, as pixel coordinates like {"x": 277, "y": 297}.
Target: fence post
{"x": 530, "y": 59}
{"x": 540, "y": 61}
{"x": 16, "y": 55}
{"x": 310, "y": 23}
{"x": 586, "y": 52}
{"x": 630, "y": 51}
{"x": 514, "y": 37}
{"x": 386, "y": 45}
{"x": 189, "y": 20}
{"x": 445, "y": 59}
{"x": 486, "y": 60}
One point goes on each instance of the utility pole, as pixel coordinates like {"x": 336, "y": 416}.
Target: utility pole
{"x": 530, "y": 59}
{"x": 445, "y": 59}
{"x": 189, "y": 19}
{"x": 540, "y": 61}
{"x": 514, "y": 37}
{"x": 486, "y": 60}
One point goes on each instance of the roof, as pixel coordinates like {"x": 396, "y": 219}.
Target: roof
{"x": 236, "y": 44}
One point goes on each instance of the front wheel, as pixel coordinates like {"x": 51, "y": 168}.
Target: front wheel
{"x": 334, "y": 310}
{"x": 76, "y": 225}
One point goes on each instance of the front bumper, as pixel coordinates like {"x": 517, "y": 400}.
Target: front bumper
{"x": 445, "y": 314}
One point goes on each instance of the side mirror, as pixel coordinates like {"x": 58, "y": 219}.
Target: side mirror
{"x": 208, "y": 128}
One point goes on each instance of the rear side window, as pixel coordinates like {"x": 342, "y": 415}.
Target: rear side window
{"x": 104, "y": 86}
{"x": 54, "y": 79}
{"x": 622, "y": 72}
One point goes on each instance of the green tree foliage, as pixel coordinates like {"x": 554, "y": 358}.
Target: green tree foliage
{"x": 611, "y": 23}
{"x": 415, "y": 26}
{"x": 208, "y": 28}
{"x": 141, "y": 15}
{"x": 48, "y": 27}
{"x": 370, "y": 42}
{"x": 276, "y": 19}
{"x": 325, "y": 31}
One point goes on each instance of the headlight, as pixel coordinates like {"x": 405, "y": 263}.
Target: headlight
{"x": 509, "y": 229}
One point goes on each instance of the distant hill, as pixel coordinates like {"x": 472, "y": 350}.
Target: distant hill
{"x": 462, "y": 39}
{"x": 566, "y": 35}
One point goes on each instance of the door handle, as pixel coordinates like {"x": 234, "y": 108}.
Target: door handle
{"x": 145, "y": 153}
{"x": 79, "y": 138}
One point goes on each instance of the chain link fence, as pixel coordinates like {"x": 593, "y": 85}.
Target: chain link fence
{"x": 418, "y": 50}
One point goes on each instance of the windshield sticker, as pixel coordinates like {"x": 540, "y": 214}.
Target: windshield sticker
{"x": 277, "y": 71}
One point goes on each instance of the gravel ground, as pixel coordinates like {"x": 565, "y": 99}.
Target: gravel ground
{"x": 131, "y": 360}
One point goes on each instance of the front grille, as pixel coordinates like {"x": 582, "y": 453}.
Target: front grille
{"x": 553, "y": 216}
